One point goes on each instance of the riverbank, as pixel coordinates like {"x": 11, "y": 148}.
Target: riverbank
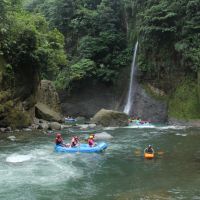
{"x": 84, "y": 125}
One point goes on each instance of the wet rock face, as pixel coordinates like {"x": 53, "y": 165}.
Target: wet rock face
{"x": 148, "y": 108}
{"x": 88, "y": 99}
{"x": 48, "y": 95}
{"x": 110, "y": 118}
{"x": 48, "y": 103}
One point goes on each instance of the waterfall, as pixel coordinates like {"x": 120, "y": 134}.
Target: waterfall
{"x": 129, "y": 101}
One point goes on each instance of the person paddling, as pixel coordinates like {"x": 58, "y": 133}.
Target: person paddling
{"x": 91, "y": 141}
{"x": 149, "y": 149}
{"x": 75, "y": 141}
{"x": 59, "y": 140}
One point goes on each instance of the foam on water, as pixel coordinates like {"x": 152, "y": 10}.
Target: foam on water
{"x": 171, "y": 127}
{"x": 156, "y": 127}
{"x": 140, "y": 126}
{"x": 110, "y": 128}
{"x": 179, "y": 134}
{"x": 41, "y": 167}
{"x": 16, "y": 158}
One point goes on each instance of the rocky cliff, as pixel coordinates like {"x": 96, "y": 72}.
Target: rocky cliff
{"x": 48, "y": 103}
{"x": 89, "y": 97}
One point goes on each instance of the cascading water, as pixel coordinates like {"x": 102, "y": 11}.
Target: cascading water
{"x": 129, "y": 101}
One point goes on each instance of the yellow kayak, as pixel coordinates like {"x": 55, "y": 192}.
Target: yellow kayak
{"x": 149, "y": 155}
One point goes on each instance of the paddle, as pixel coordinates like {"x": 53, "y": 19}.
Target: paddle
{"x": 160, "y": 153}
{"x": 139, "y": 152}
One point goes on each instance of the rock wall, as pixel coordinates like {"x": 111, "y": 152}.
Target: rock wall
{"x": 88, "y": 98}
{"x": 148, "y": 108}
{"x": 48, "y": 95}
{"x": 48, "y": 103}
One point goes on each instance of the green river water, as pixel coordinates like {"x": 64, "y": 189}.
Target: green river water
{"x": 31, "y": 170}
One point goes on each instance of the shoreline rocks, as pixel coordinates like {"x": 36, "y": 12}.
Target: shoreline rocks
{"x": 195, "y": 123}
{"x": 106, "y": 118}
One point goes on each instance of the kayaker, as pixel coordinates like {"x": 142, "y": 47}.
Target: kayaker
{"x": 91, "y": 141}
{"x": 59, "y": 140}
{"x": 149, "y": 149}
{"x": 74, "y": 141}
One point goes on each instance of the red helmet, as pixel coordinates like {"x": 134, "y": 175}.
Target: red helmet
{"x": 58, "y": 135}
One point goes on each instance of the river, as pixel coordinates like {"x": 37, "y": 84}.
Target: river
{"x": 30, "y": 169}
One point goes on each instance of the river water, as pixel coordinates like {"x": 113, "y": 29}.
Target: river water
{"x": 30, "y": 169}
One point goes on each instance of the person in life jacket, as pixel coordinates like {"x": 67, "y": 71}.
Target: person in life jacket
{"x": 149, "y": 149}
{"x": 74, "y": 141}
{"x": 91, "y": 140}
{"x": 59, "y": 140}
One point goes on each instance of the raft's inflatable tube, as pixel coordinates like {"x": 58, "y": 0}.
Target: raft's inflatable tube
{"x": 85, "y": 148}
{"x": 149, "y": 155}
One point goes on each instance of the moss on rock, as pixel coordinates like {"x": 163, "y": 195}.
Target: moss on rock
{"x": 10, "y": 114}
{"x": 184, "y": 103}
{"x": 18, "y": 119}
{"x": 155, "y": 92}
{"x": 6, "y": 105}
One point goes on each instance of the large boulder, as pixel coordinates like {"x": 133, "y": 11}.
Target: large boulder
{"x": 110, "y": 118}
{"x": 43, "y": 111}
{"x": 55, "y": 126}
{"x": 48, "y": 104}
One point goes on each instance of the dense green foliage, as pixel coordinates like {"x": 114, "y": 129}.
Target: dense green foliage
{"x": 29, "y": 50}
{"x": 29, "y": 46}
{"x": 95, "y": 36}
{"x": 184, "y": 103}
{"x": 104, "y": 31}
{"x": 169, "y": 37}
{"x": 99, "y": 35}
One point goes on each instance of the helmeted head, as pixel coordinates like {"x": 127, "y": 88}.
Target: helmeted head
{"x": 58, "y": 135}
{"x": 76, "y": 137}
{"x": 149, "y": 146}
{"x": 91, "y": 137}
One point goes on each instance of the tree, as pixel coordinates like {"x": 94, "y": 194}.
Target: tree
{"x": 32, "y": 50}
